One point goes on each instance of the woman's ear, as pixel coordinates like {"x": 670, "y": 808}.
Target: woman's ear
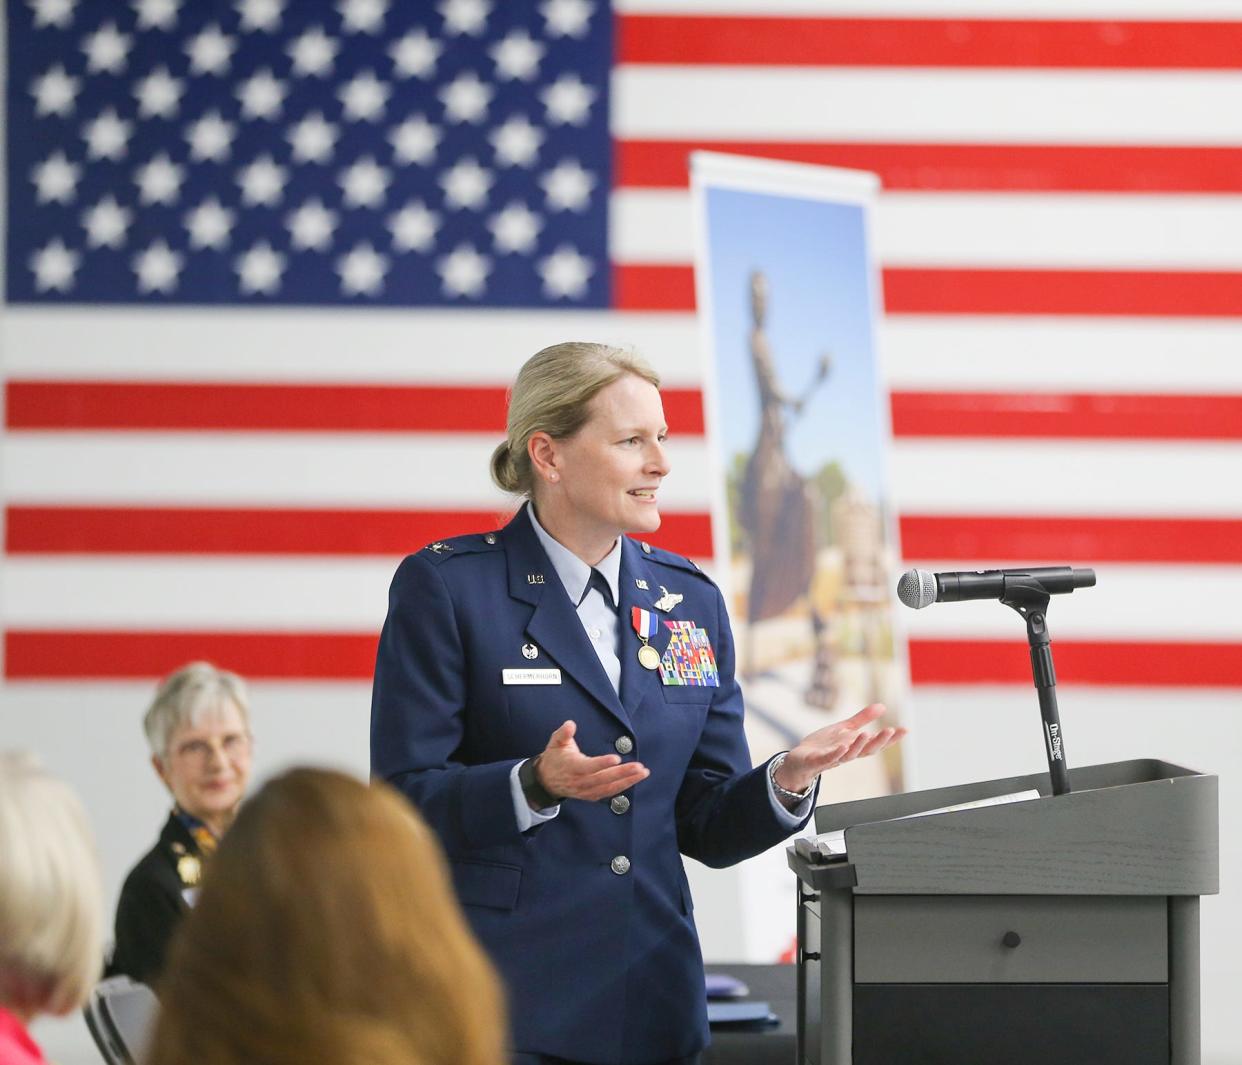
{"x": 543, "y": 456}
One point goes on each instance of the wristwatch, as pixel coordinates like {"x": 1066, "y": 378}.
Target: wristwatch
{"x": 785, "y": 793}
{"x": 536, "y": 794}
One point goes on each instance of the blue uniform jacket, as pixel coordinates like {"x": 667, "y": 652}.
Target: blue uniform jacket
{"x": 600, "y": 966}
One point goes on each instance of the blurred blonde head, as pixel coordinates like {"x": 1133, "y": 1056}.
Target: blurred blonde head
{"x": 51, "y": 903}
{"x": 552, "y": 394}
{"x": 327, "y": 930}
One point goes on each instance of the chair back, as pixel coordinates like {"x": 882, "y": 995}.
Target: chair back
{"x": 121, "y": 1017}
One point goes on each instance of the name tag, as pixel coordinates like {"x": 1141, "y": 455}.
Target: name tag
{"x": 530, "y": 676}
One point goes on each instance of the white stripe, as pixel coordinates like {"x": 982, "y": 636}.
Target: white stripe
{"x": 380, "y": 346}
{"x": 1192, "y": 355}
{"x": 329, "y": 594}
{"x": 934, "y": 351}
{"x": 1183, "y": 603}
{"x": 283, "y": 469}
{"x": 1087, "y": 477}
{"x": 957, "y": 106}
{"x": 1171, "y": 10}
{"x": 198, "y": 594}
{"x": 986, "y": 230}
{"x": 929, "y": 476}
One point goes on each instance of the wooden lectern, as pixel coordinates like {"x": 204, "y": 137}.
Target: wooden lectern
{"x": 1059, "y": 931}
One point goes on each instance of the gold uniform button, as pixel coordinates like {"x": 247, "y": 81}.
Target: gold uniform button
{"x": 620, "y": 865}
{"x": 624, "y": 745}
{"x": 619, "y": 804}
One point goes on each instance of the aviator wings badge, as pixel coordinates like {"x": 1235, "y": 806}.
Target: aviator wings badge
{"x": 668, "y": 600}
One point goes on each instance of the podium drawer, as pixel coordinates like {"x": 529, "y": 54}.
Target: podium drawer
{"x": 998, "y": 939}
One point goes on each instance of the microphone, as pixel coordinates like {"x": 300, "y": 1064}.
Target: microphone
{"x": 917, "y": 588}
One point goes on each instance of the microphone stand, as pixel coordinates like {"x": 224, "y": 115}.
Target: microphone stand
{"x": 1029, "y": 598}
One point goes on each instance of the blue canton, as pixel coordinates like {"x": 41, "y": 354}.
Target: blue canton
{"x": 430, "y": 153}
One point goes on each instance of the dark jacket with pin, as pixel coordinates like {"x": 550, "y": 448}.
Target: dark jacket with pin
{"x": 587, "y": 916}
{"x": 153, "y": 902}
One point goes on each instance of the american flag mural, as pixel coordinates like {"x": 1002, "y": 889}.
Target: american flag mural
{"x": 270, "y": 266}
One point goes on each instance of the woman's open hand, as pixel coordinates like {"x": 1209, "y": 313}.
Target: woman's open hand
{"x": 567, "y": 773}
{"x": 828, "y": 747}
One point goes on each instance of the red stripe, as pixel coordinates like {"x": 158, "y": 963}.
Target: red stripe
{"x": 1193, "y": 665}
{"x": 961, "y": 167}
{"x": 925, "y": 42}
{"x": 652, "y": 287}
{"x": 1063, "y": 415}
{"x": 1054, "y": 539}
{"x": 68, "y": 405}
{"x": 1088, "y": 292}
{"x": 163, "y": 405}
{"x": 238, "y": 531}
{"x": 1166, "y": 294}
{"x": 81, "y": 655}
{"x": 68, "y": 655}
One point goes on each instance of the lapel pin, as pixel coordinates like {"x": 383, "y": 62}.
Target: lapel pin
{"x": 639, "y": 583}
{"x": 529, "y": 650}
{"x": 668, "y": 600}
{"x": 534, "y": 578}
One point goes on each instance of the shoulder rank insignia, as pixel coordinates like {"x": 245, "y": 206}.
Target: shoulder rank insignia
{"x": 668, "y": 600}
{"x": 439, "y": 547}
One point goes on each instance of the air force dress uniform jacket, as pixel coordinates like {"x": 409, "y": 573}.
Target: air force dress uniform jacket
{"x": 587, "y": 916}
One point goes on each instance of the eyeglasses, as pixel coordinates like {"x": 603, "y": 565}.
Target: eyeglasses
{"x": 233, "y": 744}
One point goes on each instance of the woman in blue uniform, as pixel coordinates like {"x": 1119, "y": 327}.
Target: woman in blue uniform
{"x": 559, "y": 701}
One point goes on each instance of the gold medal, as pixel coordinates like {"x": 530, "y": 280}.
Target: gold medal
{"x": 190, "y": 870}
{"x": 648, "y": 657}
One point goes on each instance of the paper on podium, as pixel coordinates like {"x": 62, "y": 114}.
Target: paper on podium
{"x": 830, "y": 846}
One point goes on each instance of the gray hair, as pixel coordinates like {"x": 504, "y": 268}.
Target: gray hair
{"x": 51, "y": 898}
{"x": 552, "y": 394}
{"x": 194, "y": 692}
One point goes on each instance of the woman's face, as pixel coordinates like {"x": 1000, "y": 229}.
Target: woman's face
{"x": 609, "y": 472}
{"x": 207, "y": 765}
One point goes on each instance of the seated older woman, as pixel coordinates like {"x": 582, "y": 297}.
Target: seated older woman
{"x": 51, "y": 905}
{"x": 198, "y": 730}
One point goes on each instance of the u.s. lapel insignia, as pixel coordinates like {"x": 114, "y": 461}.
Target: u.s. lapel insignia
{"x": 668, "y": 600}
{"x": 534, "y": 578}
{"x": 640, "y": 583}
{"x": 529, "y": 650}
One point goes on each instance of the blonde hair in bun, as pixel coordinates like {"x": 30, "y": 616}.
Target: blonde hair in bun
{"x": 552, "y": 394}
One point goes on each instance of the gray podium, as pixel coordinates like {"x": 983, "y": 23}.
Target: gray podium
{"x": 1059, "y": 931}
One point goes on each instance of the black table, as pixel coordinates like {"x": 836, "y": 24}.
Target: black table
{"x": 777, "y": 1045}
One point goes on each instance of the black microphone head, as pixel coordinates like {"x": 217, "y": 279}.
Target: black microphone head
{"x": 917, "y": 588}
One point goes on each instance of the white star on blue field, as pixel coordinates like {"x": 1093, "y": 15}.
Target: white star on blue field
{"x": 325, "y": 151}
